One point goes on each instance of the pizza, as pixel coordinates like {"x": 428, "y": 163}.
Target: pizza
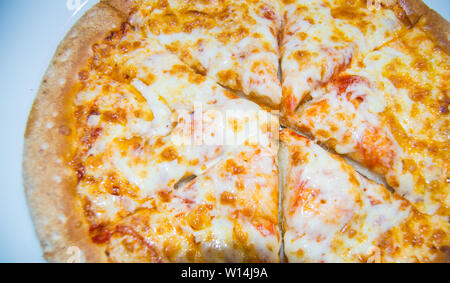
{"x": 244, "y": 131}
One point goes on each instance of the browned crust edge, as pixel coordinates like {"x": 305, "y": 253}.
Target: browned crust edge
{"x": 422, "y": 16}
{"x": 414, "y": 9}
{"x": 50, "y": 183}
{"x": 123, "y": 6}
{"x": 437, "y": 28}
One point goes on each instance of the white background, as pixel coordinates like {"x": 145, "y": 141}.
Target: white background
{"x": 30, "y": 31}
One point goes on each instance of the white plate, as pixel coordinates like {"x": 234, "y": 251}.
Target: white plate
{"x": 30, "y": 32}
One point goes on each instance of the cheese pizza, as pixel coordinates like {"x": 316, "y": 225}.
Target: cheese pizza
{"x": 154, "y": 136}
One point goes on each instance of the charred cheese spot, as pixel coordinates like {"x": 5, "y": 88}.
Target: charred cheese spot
{"x": 300, "y": 253}
{"x": 90, "y": 136}
{"x": 166, "y": 24}
{"x": 239, "y": 235}
{"x": 179, "y": 70}
{"x": 353, "y": 180}
{"x": 132, "y": 144}
{"x": 231, "y": 94}
{"x": 171, "y": 248}
{"x": 100, "y": 233}
{"x": 267, "y": 13}
{"x": 145, "y": 115}
{"x": 127, "y": 245}
{"x": 310, "y": 20}
{"x": 241, "y": 241}
{"x": 288, "y": 2}
{"x": 323, "y": 134}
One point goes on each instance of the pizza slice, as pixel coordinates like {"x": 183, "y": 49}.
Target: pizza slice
{"x": 227, "y": 214}
{"x": 234, "y": 42}
{"x": 331, "y": 213}
{"x": 132, "y": 125}
{"x": 321, "y": 38}
{"x": 390, "y": 113}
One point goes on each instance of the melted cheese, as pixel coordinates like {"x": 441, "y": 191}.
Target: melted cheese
{"x": 333, "y": 214}
{"x": 210, "y": 219}
{"x": 242, "y": 55}
{"x": 320, "y": 38}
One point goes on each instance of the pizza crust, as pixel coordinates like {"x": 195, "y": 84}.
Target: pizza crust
{"x": 123, "y": 6}
{"x": 437, "y": 27}
{"x": 50, "y": 183}
{"x": 414, "y": 9}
